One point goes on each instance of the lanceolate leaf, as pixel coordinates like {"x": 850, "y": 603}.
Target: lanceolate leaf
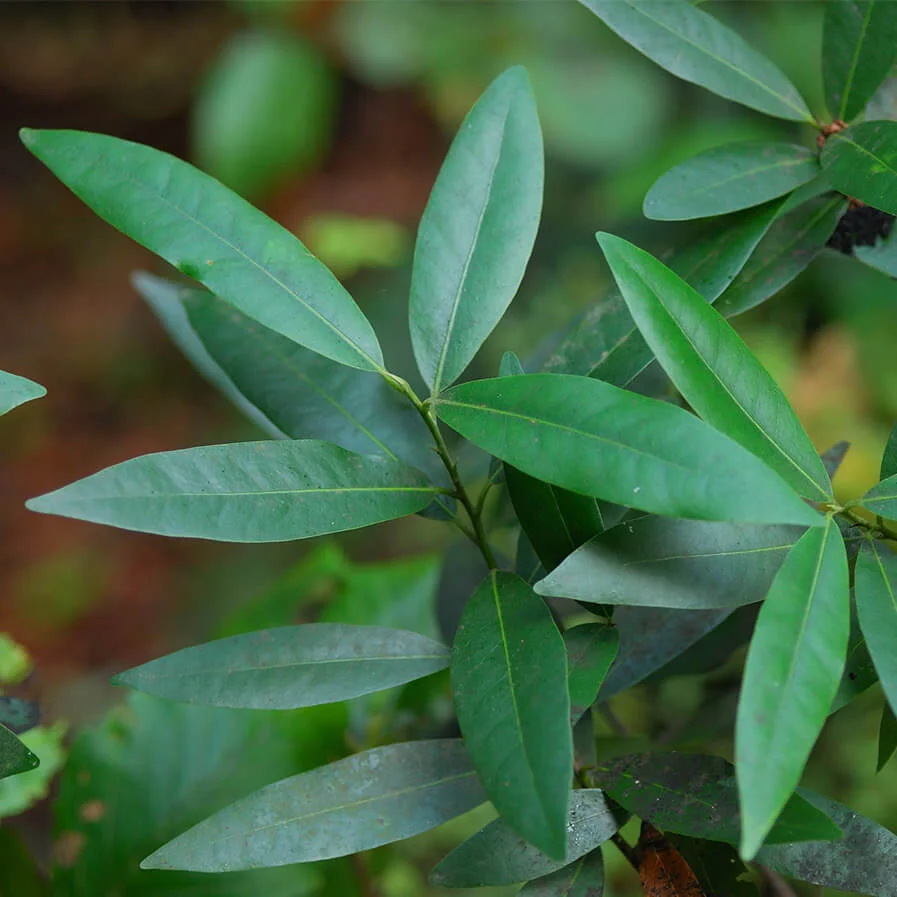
{"x": 864, "y": 860}
{"x": 882, "y": 498}
{"x": 376, "y": 797}
{"x": 728, "y": 178}
{"x": 887, "y": 736}
{"x": 696, "y": 795}
{"x": 290, "y": 667}
{"x": 696, "y": 47}
{"x": 667, "y": 562}
{"x": 713, "y": 369}
{"x": 246, "y": 492}
{"x": 593, "y": 438}
{"x": 16, "y": 390}
{"x": 497, "y": 856}
{"x": 584, "y": 878}
{"x": 875, "y": 584}
{"x": 478, "y": 230}
{"x": 787, "y": 248}
{"x": 859, "y": 47}
{"x": 213, "y": 236}
{"x": 862, "y": 162}
{"x": 889, "y": 457}
{"x": 591, "y": 649}
{"x": 14, "y": 756}
{"x": 509, "y": 680}
{"x": 793, "y": 668}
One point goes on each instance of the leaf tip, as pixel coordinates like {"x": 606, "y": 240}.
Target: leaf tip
{"x": 28, "y": 136}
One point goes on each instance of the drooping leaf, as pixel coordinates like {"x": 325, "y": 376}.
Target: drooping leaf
{"x": 14, "y": 756}
{"x": 696, "y": 795}
{"x": 875, "y": 584}
{"x": 663, "y": 871}
{"x": 889, "y": 456}
{"x": 591, "y": 649}
{"x": 593, "y": 438}
{"x": 717, "y": 866}
{"x": 290, "y": 667}
{"x": 584, "y": 878}
{"x": 18, "y": 714}
{"x": 651, "y": 637}
{"x": 696, "y": 47}
{"x": 792, "y": 672}
{"x": 833, "y": 457}
{"x": 713, "y": 369}
{"x": 667, "y": 562}
{"x": 729, "y": 178}
{"x": 16, "y": 390}
{"x": 606, "y": 344}
{"x": 246, "y": 492}
{"x": 497, "y": 856}
{"x": 509, "y": 680}
{"x": 859, "y": 47}
{"x": 882, "y": 498}
{"x": 864, "y": 860}
{"x": 379, "y": 796}
{"x": 859, "y": 671}
{"x": 887, "y": 736}
{"x": 212, "y": 235}
{"x": 786, "y": 249}
{"x": 478, "y": 230}
{"x": 862, "y": 162}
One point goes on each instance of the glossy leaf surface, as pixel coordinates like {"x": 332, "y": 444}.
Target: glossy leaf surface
{"x": 212, "y": 235}
{"x": 497, "y": 856}
{"x": 290, "y": 667}
{"x": 593, "y": 438}
{"x": 694, "y": 46}
{"x": 859, "y": 46}
{"x": 713, "y": 369}
{"x": 14, "y": 756}
{"x": 16, "y": 390}
{"x": 882, "y": 498}
{"x": 668, "y": 562}
{"x": 591, "y": 649}
{"x": 864, "y": 860}
{"x": 729, "y": 178}
{"x": 376, "y": 797}
{"x": 862, "y": 162}
{"x": 478, "y": 230}
{"x": 246, "y": 492}
{"x": 696, "y": 795}
{"x": 584, "y": 878}
{"x": 509, "y": 680}
{"x": 792, "y": 672}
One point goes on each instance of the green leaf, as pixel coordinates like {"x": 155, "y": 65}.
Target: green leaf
{"x": 246, "y": 492}
{"x": 16, "y": 390}
{"x": 290, "y": 667}
{"x": 651, "y": 637}
{"x": 696, "y": 795}
{"x": 373, "y": 798}
{"x": 792, "y": 672}
{"x": 509, "y": 680}
{"x": 667, "y": 562}
{"x": 887, "y": 736}
{"x": 864, "y": 860}
{"x": 713, "y": 369}
{"x": 716, "y": 866}
{"x": 19, "y": 793}
{"x": 786, "y": 249}
{"x": 14, "y": 756}
{"x": 875, "y": 582}
{"x": 862, "y": 162}
{"x": 497, "y": 856}
{"x": 859, "y": 47}
{"x": 882, "y": 498}
{"x": 478, "y": 230}
{"x": 595, "y": 439}
{"x": 606, "y": 343}
{"x": 21, "y": 874}
{"x": 555, "y": 520}
{"x": 697, "y": 48}
{"x": 881, "y": 255}
{"x": 584, "y": 878}
{"x": 889, "y": 456}
{"x": 728, "y": 178}
{"x": 833, "y": 457}
{"x": 859, "y": 672}
{"x": 591, "y": 649}
{"x": 212, "y": 235}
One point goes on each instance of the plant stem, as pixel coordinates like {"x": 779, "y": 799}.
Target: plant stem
{"x": 879, "y": 526}
{"x": 626, "y": 849}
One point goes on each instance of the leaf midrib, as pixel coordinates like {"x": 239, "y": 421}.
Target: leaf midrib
{"x": 854, "y": 62}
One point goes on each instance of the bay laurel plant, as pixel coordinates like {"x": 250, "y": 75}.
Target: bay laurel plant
{"x": 677, "y": 524}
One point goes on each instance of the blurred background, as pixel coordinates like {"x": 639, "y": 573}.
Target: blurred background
{"x": 334, "y": 118}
